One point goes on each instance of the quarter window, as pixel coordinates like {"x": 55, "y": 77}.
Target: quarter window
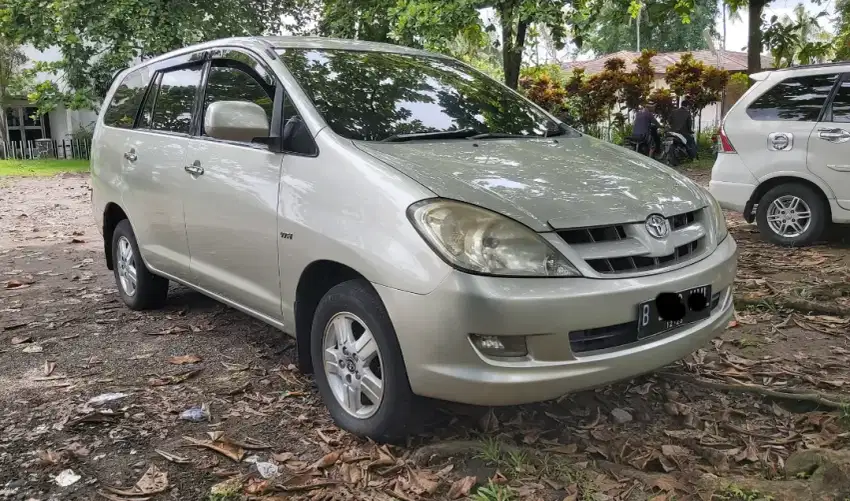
{"x": 797, "y": 99}
{"x": 841, "y": 103}
{"x": 125, "y": 103}
{"x": 175, "y": 99}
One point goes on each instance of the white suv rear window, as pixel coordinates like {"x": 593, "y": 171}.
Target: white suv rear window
{"x": 798, "y": 99}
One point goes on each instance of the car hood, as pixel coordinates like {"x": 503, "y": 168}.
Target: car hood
{"x": 545, "y": 183}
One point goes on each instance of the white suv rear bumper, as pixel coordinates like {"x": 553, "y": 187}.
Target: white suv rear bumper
{"x": 732, "y": 183}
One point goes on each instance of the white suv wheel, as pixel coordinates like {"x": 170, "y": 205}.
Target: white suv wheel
{"x": 789, "y": 216}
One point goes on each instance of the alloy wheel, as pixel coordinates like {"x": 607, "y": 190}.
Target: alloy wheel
{"x": 352, "y": 365}
{"x": 126, "y": 267}
{"x": 789, "y": 216}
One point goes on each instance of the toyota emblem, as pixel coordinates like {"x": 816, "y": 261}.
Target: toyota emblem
{"x": 657, "y": 226}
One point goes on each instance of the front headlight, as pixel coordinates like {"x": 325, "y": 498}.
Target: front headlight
{"x": 480, "y": 241}
{"x": 720, "y": 230}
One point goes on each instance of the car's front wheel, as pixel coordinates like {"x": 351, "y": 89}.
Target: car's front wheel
{"x": 358, "y": 364}
{"x": 792, "y": 214}
{"x": 138, "y": 287}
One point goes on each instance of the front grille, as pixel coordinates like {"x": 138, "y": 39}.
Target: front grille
{"x": 593, "y": 235}
{"x": 644, "y": 263}
{"x": 619, "y": 249}
{"x": 612, "y": 336}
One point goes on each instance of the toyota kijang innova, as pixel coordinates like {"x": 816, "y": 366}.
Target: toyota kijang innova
{"x": 420, "y": 229}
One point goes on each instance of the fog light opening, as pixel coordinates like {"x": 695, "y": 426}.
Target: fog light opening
{"x": 500, "y": 346}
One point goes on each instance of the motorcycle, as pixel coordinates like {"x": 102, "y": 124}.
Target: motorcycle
{"x": 674, "y": 149}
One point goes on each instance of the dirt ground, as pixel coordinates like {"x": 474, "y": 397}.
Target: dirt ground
{"x": 721, "y": 424}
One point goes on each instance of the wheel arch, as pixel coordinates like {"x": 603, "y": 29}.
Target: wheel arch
{"x": 112, "y": 215}
{"x": 768, "y": 184}
{"x": 315, "y": 281}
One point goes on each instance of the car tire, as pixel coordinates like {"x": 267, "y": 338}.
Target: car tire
{"x": 147, "y": 291}
{"x": 354, "y": 309}
{"x": 781, "y": 215}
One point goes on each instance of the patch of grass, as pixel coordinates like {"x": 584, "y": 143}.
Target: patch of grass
{"x": 518, "y": 463}
{"x": 844, "y": 415}
{"x": 495, "y": 492}
{"x": 747, "y": 342}
{"x": 737, "y": 493}
{"x": 705, "y": 161}
{"x": 491, "y": 452}
{"x": 41, "y": 167}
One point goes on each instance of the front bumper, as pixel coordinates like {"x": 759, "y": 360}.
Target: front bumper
{"x": 433, "y": 330}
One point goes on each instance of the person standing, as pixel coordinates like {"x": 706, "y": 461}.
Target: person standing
{"x": 682, "y": 122}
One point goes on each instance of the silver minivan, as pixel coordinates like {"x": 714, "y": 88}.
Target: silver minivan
{"x": 419, "y": 228}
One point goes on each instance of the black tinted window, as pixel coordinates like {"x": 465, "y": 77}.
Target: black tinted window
{"x": 841, "y": 103}
{"x": 227, "y": 83}
{"x": 373, "y": 95}
{"x": 176, "y": 99}
{"x": 125, "y": 103}
{"x": 795, "y": 99}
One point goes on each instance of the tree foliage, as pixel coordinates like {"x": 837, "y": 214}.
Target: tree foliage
{"x": 661, "y": 28}
{"x": 696, "y": 81}
{"x": 797, "y": 40}
{"x": 13, "y": 78}
{"x": 98, "y": 38}
{"x": 436, "y": 24}
{"x": 842, "y": 28}
{"x": 610, "y": 96}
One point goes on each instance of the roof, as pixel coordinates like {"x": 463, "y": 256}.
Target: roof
{"x": 292, "y": 42}
{"x": 729, "y": 60}
{"x": 340, "y": 44}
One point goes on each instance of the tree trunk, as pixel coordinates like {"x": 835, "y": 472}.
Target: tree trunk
{"x": 754, "y": 39}
{"x": 512, "y": 46}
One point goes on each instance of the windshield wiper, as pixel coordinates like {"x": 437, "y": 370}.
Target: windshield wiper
{"x": 500, "y": 135}
{"x": 443, "y": 134}
{"x": 503, "y": 135}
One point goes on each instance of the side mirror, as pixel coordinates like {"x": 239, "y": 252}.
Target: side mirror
{"x": 236, "y": 121}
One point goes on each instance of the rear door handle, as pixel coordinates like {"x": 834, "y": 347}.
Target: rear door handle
{"x": 195, "y": 169}
{"x": 834, "y": 135}
{"x": 131, "y": 155}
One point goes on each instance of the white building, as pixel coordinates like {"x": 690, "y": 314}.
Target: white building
{"x": 59, "y": 124}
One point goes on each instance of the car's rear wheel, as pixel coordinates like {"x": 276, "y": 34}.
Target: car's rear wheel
{"x": 138, "y": 287}
{"x": 792, "y": 215}
{"x": 358, "y": 364}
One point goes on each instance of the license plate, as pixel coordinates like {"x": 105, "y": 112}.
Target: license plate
{"x": 669, "y": 311}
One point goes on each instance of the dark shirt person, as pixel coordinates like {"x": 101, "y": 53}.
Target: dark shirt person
{"x": 681, "y": 122}
{"x": 645, "y": 129}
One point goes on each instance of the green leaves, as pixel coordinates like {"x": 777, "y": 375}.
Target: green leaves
{"x": 99, "y": 37}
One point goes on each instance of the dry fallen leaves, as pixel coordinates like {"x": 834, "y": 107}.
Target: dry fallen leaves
{"x": 175, "y": 379}
{"x": 153, "y": 481}
{"x": 184, "y": 359}
{"x": 221, "y": 445}
{"x": 460, "y": 488}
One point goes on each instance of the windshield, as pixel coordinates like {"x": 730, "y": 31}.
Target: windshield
{"x": 376, "y": 96}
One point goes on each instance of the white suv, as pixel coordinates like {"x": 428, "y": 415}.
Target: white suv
{"x": 785, "y": 153}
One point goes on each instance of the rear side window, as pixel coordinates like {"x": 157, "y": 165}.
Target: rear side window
{"x": 175, "y": 99}
{"x": 841, "y": 104}
{"x": 125, "y": 103}
{"x": 798, "y": 99}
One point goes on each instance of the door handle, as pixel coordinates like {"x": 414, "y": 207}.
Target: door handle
{"x": 195, "y": 169}
{"x": 131, "y": 155}
{"x": 834, "y": 135}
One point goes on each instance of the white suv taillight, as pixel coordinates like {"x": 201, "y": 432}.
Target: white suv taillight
{"x": 725, "y": 145}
